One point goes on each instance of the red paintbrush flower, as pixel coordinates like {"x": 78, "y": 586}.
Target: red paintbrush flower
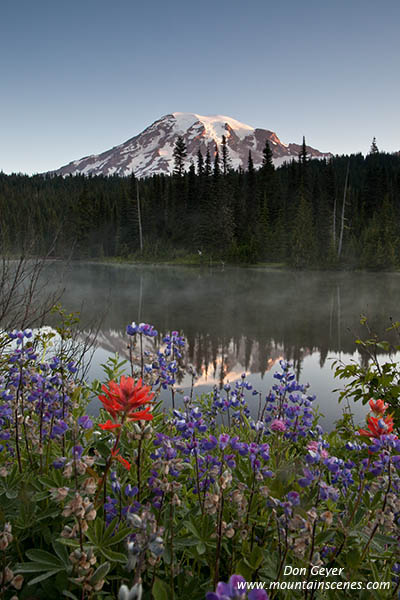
{"x": 109, "y": 425}
{"x": 378, "y": 407}
{"x": 123, "y": 461}
{"x": 125, "y": 397}
{"x": 377, "y": 427}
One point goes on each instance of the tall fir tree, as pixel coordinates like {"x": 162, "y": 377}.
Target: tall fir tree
{"x": 374, "y": 147}
{"x": 267, "y": 162}
{"x": 303, "y": 244}
{"x": 303, "y": 154}
{"x": 226, "y": 161}
{"x": 200, "y": 163}
{"x": 179, "y": 155}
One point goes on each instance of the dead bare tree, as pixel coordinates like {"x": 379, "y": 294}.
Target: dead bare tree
{"x": 26, "y": 294}
{"x": 343, "y": 211}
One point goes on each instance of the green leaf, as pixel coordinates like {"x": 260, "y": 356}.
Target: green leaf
{"x": 324, "y": 537}
{"x": 100, "y": 573}
{"x": 185, "y": 542}
{"x": 69, "y": 595}
{"x": 68, "y": 542}
{"x": 256, "y": 557}
{"x": 244, "y": 570}
{"x": 61, "y": 552}
{"x": 114, "y": 556}
{"x": 41, "y": 496}
{"x": 201, "y": 548}
{"x": 161, "y": 591}
{"x": 50, "y": 513}
{"x": 118, "y": 537}
{"x": 193, "y": 529}
{"x": 98, "y": 528}
{"x": 385, "y": 539}
{"x": 42, "y": 577}
{"x": 41, "y": 556}
{"x": 353, "y": 558}
{"x": 33, "y": 567}
{"x": 108, "y": 534}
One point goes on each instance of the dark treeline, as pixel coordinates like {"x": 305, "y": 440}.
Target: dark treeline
{"x": 338, "y": 213}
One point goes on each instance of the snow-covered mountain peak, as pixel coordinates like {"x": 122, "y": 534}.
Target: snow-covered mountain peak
{"x": 151, "y": 152}
{"x": 215, "y": 126}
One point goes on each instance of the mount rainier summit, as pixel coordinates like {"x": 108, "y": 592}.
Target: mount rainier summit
{"x": 151, "y": 152}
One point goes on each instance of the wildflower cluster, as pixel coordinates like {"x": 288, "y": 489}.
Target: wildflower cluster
{"x": 36, "y": 401}
{"x": 171, "y": 502}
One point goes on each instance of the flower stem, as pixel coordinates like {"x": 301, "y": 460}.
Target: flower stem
{"x": 219, "y": 539}
{"x": 374, "y": 530}
{"x": 139, "y": 467}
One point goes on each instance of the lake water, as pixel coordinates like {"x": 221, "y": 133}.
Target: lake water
{"x": 239, "y": 320}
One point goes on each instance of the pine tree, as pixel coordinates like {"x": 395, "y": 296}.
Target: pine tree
{"x": 200, "y": 163}
{"x": 217, "y": 169}
{"x": 374, "y": 148}
{"x": 267, "y": 163}
{"x": 179, "y": 155}
{"x": 207, "y": 164}
{"x": 303, "y": 154}
{"x": 252, "y": 213}
{"x": 303, "y": 249}
{"x": 226, "y": 161}
{"x": 250, "y": 165}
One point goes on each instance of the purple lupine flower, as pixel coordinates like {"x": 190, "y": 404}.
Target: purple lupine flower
{"x": 130, "y": 490}
{"x": 223, "y": 440}
{"x": 85, "y": 422}
{"x": 132, "y": 329}
{"x": 209, "y": 443}
{"x": 59, "y": 428}
{"x": 77, "y": 452}
{"x": 327, "y": 492}
{"x": 236, "y": 589}
{"x": 294, "y": 498}
{"x": 115, "y": 484}
{"x": 308, "y": 478}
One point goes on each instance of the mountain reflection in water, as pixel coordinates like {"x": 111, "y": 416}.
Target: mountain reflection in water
{"x": 239, "y": 319}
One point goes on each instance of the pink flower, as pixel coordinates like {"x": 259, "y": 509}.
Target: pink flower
{"x": 316, "y": 447}
{"x": 278, "y": 425}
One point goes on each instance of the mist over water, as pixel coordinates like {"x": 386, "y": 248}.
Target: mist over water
{"x": 239, "y": 320}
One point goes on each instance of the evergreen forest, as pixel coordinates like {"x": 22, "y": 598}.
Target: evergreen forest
{"x": 337, "y": 213}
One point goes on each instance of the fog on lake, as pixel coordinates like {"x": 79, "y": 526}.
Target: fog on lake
{"x": 238, "y": 320}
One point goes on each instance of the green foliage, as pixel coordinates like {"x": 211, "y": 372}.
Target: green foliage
{"x": 79, "y": 530}
{"x": 290, "y": 214}
{"x": 372, "y": 378}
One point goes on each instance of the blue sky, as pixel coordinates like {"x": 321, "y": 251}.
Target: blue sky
{"x": 79, "y": 77}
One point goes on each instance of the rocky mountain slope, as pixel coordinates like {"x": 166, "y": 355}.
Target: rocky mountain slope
{"x": 151, "y": 152}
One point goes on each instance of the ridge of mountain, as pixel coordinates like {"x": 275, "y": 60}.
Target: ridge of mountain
{"x": 151, "y": 151}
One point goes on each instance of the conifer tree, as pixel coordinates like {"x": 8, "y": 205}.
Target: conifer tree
{"x": 250, "y": 165}
{"x": 303, "y": 247}
{"x": 200, "y": 163}
{"x": 207, "y": 164}
{"x": 217, "y": 169}
{"x": 179, "y": 155}
{"x": 303, "y": 154}
{"x": 374, "y": 148}
{"x": 267, "y": 163}
{"x": 226, "y": 161}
